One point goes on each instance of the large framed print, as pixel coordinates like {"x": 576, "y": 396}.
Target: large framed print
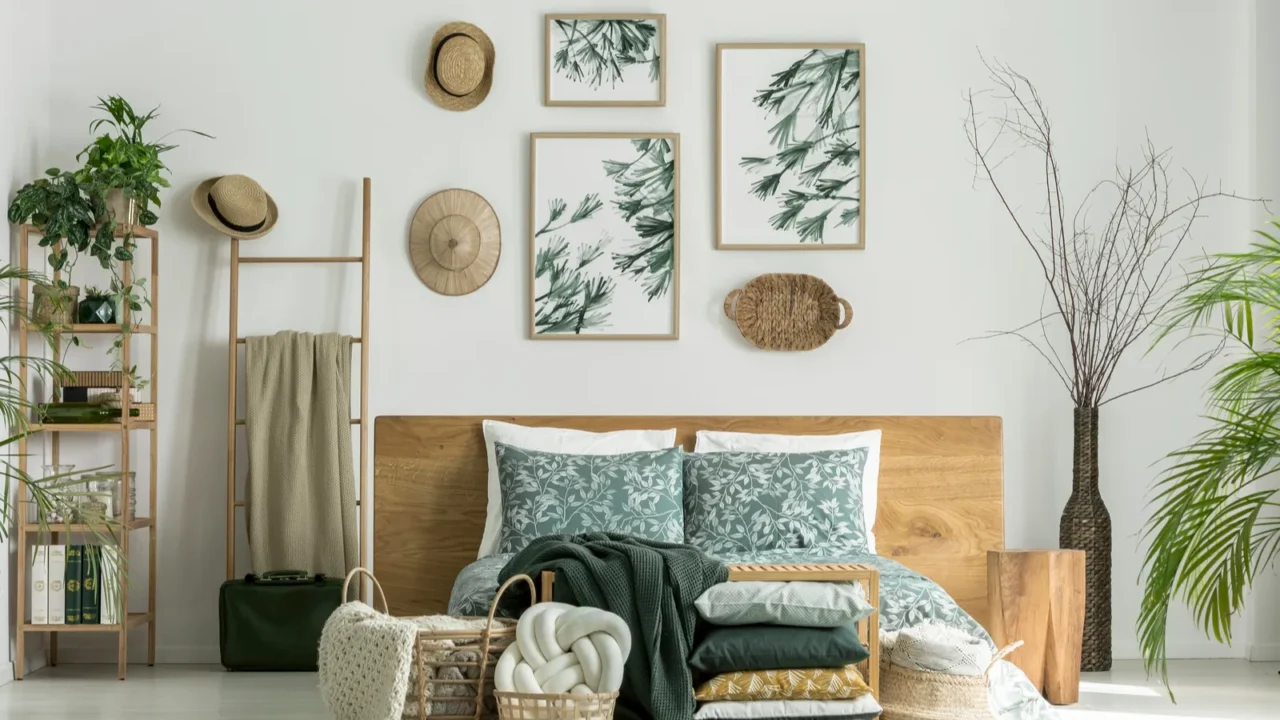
{"x": 790, "y": 135}
{"x": 604, "y": 246}
{"x": 605, "y": 59}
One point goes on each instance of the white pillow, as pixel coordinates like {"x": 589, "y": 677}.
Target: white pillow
{"x": 865, "y": 706}
{"x": 555, "y": 440}
{"x": 713, "y": 441}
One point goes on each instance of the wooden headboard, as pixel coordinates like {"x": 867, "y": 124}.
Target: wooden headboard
{"x": 941, "y": 494}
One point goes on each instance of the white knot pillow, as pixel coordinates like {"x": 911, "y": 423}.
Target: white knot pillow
{"x": 560, "y": 648}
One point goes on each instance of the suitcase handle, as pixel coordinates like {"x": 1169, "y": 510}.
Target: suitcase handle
{"x": 378, "y": 586}
{"x": 285, "y": 577}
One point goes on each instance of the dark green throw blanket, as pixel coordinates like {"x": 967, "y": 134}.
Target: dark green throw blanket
{"x": 650, "y": 585}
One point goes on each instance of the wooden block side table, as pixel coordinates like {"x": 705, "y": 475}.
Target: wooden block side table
{"x": 1037, "y": 596}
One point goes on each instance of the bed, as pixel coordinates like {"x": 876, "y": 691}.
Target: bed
{"x": 940, "y": 510}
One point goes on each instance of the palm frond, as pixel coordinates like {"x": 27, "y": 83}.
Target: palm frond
{"x": 1213, "y": 526}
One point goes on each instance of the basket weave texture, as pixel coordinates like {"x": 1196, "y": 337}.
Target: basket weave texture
{"x": 1086, "y": 525}
{"x": 452, "y": 671}
{"x": 560, "y": 706}
{"x": 787, "y": 311}
{"x": 907, "y": 694}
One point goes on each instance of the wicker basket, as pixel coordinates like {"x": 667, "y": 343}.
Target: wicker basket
{"x": 555, "y": 706}
{"x": 786, "y": 311}
{"x": 441, "y": 698}
{"x": 907, "y": 694}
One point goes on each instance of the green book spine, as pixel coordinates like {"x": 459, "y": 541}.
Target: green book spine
{"x": 75, "y": 559}
{"x": 90, "y": 586}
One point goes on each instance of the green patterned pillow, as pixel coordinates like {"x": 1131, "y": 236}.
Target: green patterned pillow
{"x": 552, "y": 493}
{"x": 745, "y": 502}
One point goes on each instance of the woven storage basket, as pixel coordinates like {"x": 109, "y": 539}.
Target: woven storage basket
{"x": 438, "y": 697}
{"x": 97, "y": 379}
{"x": 784, "y": 311}
{"x": 907, "y": 694}
{"x": 555, "y": 706}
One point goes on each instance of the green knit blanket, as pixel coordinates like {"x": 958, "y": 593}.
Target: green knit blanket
{"x": 650, "y": 585}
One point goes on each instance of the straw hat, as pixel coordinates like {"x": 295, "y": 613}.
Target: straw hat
{"x": 460, "y": 66}
{"x": 236, "y": 205}
{"x": 455, "y": 242}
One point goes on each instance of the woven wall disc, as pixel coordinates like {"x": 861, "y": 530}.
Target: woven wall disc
{"x": 784, "y": 311}
{"x": 455, "y": 242}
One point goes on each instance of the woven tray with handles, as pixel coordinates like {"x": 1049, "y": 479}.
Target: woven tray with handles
{"x": 787, "y": 311}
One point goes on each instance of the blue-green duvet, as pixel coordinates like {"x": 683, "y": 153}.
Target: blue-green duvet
{"x": 906, "y": 598}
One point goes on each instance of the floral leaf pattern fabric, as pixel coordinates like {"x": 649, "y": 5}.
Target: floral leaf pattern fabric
{"x": 802, "y": 684}
{"x": 906, "y": 598}
{"x": 750, "y": 502}
{"x": 553, "y": 493}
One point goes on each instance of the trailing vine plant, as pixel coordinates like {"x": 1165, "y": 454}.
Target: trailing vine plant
{"x": 597, "y": 51}
{"x": 645, "y": 187}
{"x": 813, "y": 174}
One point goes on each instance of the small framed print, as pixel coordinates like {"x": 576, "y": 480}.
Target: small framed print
{"x": 604, "y": 224}
{"x": 606, "y": 59}
{"x": 790, "y": 131}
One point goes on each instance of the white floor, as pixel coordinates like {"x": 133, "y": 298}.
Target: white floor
{"x": 1206, "y": 690}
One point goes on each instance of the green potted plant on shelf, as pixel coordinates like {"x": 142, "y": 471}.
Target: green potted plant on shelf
{"x": 127, "y": 167}
{"x": 1215, "y": 511}
{"x": 97, "y": 308}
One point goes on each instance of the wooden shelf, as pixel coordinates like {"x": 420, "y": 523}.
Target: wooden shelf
{"x": 91, "y": 427}
{"x": 135, "y": 230}
{"x": 135, "y": 524}
{"x": 112, "y": 329}
{"x": 134, "y": 620}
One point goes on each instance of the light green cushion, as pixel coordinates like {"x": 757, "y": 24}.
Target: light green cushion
{"x": 746, "y": 502}
{"x": 777, "y": 647}
{"x": 806, "y": 604}
{"x": 553, "y": 493}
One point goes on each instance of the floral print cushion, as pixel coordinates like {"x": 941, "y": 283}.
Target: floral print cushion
{"x": 555, "y": 493}
{"x": 749, "y": 502}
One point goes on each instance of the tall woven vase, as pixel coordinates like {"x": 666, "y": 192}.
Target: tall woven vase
{"x": 1086, "y": 525}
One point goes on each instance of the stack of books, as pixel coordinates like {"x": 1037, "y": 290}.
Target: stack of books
{"x": 67, "y": 581}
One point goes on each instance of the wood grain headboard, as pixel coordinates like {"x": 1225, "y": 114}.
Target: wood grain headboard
{"x": 941, "y": 494}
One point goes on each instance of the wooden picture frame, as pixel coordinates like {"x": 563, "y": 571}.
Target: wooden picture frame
{"x": 589, "y": 82}
{"x": 831, "y": 215}
{"x": 610, "y": 222}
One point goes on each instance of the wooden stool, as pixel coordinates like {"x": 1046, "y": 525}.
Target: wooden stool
{"x": 1037, "y": 596}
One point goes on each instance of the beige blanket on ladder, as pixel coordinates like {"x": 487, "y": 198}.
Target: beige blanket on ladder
{"x": 301, "y": 485}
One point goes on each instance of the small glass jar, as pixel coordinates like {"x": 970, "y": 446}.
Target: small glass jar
{"x": 116, "y": 504}
{"x": 62, "y": 498}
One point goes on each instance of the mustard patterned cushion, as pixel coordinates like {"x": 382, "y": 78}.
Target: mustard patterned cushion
{"x": 811, "y": 684}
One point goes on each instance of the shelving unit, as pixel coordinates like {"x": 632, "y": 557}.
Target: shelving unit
{"x": 127, "y": 525}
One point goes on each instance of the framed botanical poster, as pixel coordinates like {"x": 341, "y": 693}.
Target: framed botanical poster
{"x": 604, "y": 225}
{"x": 790, "y": 132}
{"x": 616, "y": 59}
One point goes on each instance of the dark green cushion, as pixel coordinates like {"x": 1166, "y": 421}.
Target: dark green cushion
{"x": 777, "y": 647}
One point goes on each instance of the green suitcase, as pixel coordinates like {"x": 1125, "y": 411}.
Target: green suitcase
{"x": 273, "y": 621}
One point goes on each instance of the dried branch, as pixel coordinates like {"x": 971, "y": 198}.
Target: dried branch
{"x": 1109, "y": 284}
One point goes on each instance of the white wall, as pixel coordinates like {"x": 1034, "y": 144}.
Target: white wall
{"x": 309, "y": 97}
{"x": 24, "y": 72}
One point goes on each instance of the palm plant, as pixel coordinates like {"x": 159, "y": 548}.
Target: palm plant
{"x": 57, "y": 495}
{"x": 1214, "y": 524}
{"x": 646, "y": 190}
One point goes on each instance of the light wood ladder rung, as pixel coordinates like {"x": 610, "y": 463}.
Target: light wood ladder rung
{"x": 242, "y": 503}
{"x": 263, "y": 260}
{"x": 354, "y": 340}
{"x": 354, "y": 421}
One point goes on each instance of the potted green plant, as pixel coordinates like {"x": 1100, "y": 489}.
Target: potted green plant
{"x": 97, "y": 308}
{"x": 127, "y": 167}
